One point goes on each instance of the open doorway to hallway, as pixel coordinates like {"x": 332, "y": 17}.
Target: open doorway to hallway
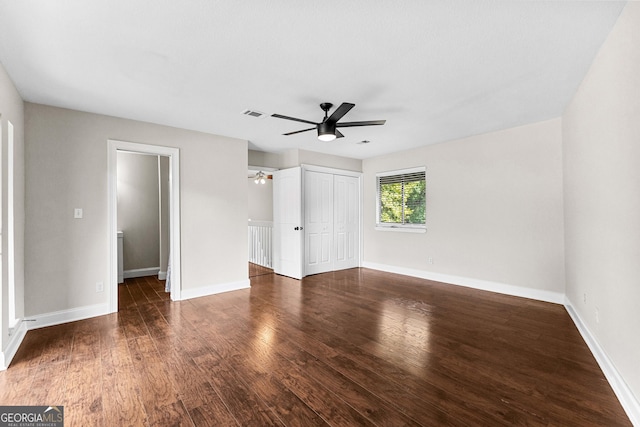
{"x": 260, "y": 208}
{"x": 143, "y": 215}
{"x": 173, "y": 270}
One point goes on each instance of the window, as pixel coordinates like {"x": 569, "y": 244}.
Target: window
{"x": 401, "y": 199}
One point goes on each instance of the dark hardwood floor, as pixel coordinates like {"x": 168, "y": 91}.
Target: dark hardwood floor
{"x": 356, "y": 347}
{"x": 258, "y": 270}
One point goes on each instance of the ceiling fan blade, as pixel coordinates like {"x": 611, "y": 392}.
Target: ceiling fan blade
{"x": 280, "y": 116}
{"x": 340, "y": 111}
{"x": 299, "y": 131}
{"x": 364, "y": 123}
{"x": 339, "y": 134}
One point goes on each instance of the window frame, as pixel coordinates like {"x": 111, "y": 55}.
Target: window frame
{"x": 401, "y": 227}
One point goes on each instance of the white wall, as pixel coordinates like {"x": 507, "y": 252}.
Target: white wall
{"x": 139, "y": 210}
{"x": 601, "y": 143}
{"x": 296, "y": 157}
{"x": 66, "y": 167}
{"x": 262, "y": 158}
{"x": 494, "y": 210}
{"x": 260, "y": 200}
{"x": 306, "y": 157}
{"x": 12, "y": 109}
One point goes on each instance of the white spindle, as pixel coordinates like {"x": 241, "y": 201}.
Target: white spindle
{"x": 260, "y": 240}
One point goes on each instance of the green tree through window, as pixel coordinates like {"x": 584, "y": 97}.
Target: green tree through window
{"x": 402, "y": 199}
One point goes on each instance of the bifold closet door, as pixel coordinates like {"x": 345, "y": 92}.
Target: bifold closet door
{"x": 318, "y": 213}
{"x": 346, "y": 221}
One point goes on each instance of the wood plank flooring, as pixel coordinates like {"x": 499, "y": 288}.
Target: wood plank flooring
{"x": 356, "y": 347}
{"x": 258, "y": 270}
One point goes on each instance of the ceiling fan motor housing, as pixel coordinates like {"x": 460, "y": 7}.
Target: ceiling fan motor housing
{"x": 327, "y": 128}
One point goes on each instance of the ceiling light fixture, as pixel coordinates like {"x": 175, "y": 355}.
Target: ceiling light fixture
{"x": 260, "y": 178}
{"x": 327, "y": 131}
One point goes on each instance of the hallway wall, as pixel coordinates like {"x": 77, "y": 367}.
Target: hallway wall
{"x": 138, "y": 210}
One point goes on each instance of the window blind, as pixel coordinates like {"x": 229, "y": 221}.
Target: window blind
{"x": 402, "y": 198}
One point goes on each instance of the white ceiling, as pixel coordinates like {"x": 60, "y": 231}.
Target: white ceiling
{"x": 435, "y": 70}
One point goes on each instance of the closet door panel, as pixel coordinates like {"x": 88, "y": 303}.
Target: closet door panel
{"x": 346, "y": 221}
{"x": 318, "y": 212}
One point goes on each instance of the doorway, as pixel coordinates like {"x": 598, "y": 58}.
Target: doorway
{"x": 143, "y": 226}
{"x": 174, "y": 214}
{"x": 260, "y": 232}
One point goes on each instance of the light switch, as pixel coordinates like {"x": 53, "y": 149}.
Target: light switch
{"x": 77, "y": 213}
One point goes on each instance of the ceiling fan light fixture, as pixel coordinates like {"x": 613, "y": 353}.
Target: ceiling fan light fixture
{"x": 326, "y": 132}
{"x": 327, "y": 137}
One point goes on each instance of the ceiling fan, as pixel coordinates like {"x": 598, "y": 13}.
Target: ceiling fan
{"x": 327, "y": 128}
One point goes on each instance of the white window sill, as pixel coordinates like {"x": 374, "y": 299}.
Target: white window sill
{"x": 403, "y": 229}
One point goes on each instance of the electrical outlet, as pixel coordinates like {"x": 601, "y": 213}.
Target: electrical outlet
{"x": 77, "y": 213}
{"x": 430, "y": 260}
{"x": 597, "y": 315}
{"x": 99, "y": 286}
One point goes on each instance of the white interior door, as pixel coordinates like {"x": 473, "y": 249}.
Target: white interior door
{"x": 287, "y": 224}
{"x": 318, "y": 224}
{"x": 346, "y": 206}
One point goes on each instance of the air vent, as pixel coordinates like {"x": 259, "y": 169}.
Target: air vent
{"x": 253, "y": 113}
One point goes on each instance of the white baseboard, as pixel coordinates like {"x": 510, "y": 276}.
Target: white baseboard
{"x": 628, "y": 401}
{"x": 162, "y": 275}
{"x": 87, "y": 312}
{"x": 16, "y": 338}
{"x": 65, "y": 316}
{"x": 203, "y": 291}
{"x": 485, "y": 285}
{"x": 141, "y": 272}
{"x": 44, "y": 320}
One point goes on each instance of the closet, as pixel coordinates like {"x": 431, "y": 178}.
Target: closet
{"x": 316, "y": 220}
